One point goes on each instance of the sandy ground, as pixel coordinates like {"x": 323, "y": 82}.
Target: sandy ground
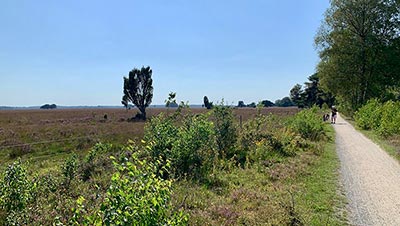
{"x": 371, "y": 178}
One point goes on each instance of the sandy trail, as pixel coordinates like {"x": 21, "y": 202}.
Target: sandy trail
{"x": 371, "y": 178}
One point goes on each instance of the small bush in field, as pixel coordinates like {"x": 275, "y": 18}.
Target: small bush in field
{"x": 369, "y": 116}
{"x": 161, "y": 133}
{"x": 136, "y": 196}
{"x": 16, "y": 192}
{"x": 68, "y": 170}
{"x": 192, "y": 152}
{"x": 308, "y": 124}
{"x": 15, "y": 188}
{"x": 189, "y": 146}
{"x": 92, "y": 160}
{"x": 225, "y": 130}
{"x": 255, "y": 131}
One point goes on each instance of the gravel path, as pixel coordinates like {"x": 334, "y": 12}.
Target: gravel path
{"x": 371, "y": 178}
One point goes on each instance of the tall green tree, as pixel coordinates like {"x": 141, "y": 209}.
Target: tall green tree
{"x": 138, "y": 89}
{"x": 284, "y": 102}
{"x": 358, "y": 44}
{"x": 314, "y": 95}
{"x": 295, "y": 95}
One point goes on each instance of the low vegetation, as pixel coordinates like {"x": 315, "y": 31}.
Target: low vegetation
{"x": 203, "y": 168}
{"x": 380, "y": 121}
{"x": 383, "y": 118}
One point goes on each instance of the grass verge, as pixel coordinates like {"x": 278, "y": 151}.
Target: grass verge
{"x": 319, "y": 194}
{"x": 303, "y": 190}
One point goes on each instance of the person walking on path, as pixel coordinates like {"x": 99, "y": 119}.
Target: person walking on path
{"x": 334, "y": 115}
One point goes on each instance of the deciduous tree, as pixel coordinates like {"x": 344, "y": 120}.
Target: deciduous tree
{"x": 138, "y": 89}
{"x": 359, "y": 47}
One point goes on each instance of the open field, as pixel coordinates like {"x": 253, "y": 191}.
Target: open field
{"x": 47, "y": 135}
{"x": 284, "y": 179}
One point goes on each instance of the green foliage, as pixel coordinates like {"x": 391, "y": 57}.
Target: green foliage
{"x": 312, "y": 95}
{"x": 390, "y": 121}
{"x": 161, "y": 133}
{"x": 69, "y": 169}
{"x": 382, "y": 118}
{"x": 171, "y": 101}
{"x": 189, "y": 146}
{"x": 308, "y": 124}
{"x": 15, "y": 188}
{"x": 92, "y": 160}
{"x": 284, "y": 102}
{"x": 225, "y": 130}
{"x": 138, "y": 89}
{"x": 137, "y": 196}
{"x": 369, "y": 116}
{"x": 192, "y": 151}
{"x": 253, "y": 131}
{"x": 359, "y": 49}
{"x": 16, "y": 192}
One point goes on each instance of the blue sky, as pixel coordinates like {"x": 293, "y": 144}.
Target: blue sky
{"x": 76, "y": 52}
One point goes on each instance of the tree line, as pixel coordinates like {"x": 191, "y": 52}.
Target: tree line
{"x": 359, "y": 49}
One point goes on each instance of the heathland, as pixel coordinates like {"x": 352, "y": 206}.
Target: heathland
{"x": 94, "y": 166}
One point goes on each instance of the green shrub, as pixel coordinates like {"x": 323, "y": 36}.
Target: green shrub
{"x": 93, "y": 159}
{"x": 369, "y": 116}
{"x": 136, "y": 196}
{"x": 192, "y": 152}
{"x": 16, "y": 192}
{"x": 68, "y": 170}
{"x": 225, "y": 130}
{"x": 256, "y": 139}
{"x": 161, "y": 133}
{"x": 390, "y": 119}
{"x": 308, "y": 124}
{"x": 15, "y": 188}
{"x": 384, "y": 118}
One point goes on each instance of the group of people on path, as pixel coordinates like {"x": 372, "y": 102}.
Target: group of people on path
{"x": 333, "y": 115}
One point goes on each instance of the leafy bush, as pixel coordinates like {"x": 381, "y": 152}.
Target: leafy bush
{"x": 257, "y": 138}
{"x": 93, "y": 159}
{"x": 15, "y": 188}
{"x": 308, "y": 124}
{"x": 225, "y": 130}
{"x": 16, "y": 192}
{"x": 138, "y": 197}
{"x": 192, "y": 151}
{"x": 161, "y": 133}
{"x": 369, "y": 116}
{"x": 382, "y": 118}
{"x": 68, "y": 170}
{"x": 390, "y": 119}
{"x": 189, "y": 146}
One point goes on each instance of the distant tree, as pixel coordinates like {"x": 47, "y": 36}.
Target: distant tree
{"x": 267, "y": 103}
{"x": 252, "y": 105}
{"x": 138, "y": 89}
{"x": 48, "y": 106}
{"x": 207, "y": 103}
{"x": 241, "y": 104}
{"x": 284, "y": 102}
{"x": 171, "y": 101}
{"x": 295, "y": 95}
{"x": 314, "y": 95}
